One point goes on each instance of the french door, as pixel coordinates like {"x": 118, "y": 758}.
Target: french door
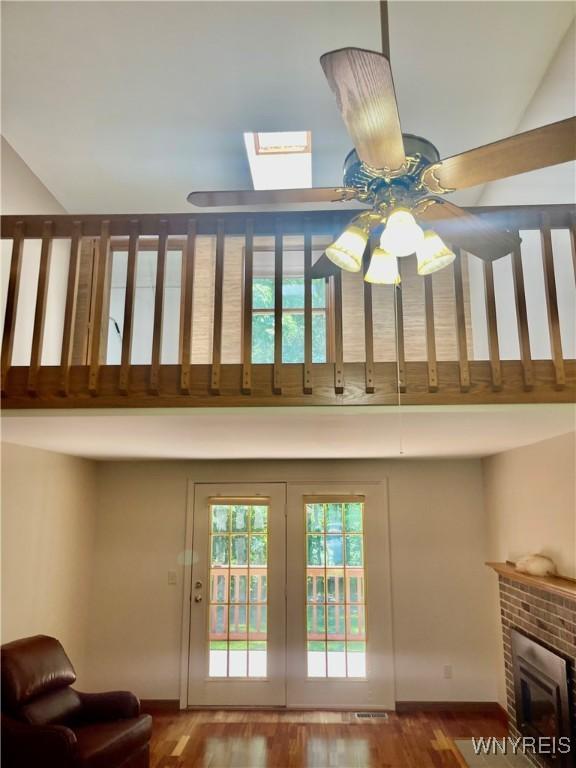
{"x": 238, "y": 605}
{"x": 338, "y": 597}
{"x": 290, "y": 598}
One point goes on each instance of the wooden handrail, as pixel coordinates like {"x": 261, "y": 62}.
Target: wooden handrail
{"x": 525, "y": 217}
{"x": 422, "y": 368}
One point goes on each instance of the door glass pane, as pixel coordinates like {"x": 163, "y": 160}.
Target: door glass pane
{"x": 335, "y": 589}
{"x": 238, "y": 630}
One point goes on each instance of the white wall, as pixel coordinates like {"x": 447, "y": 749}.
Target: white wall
{"x": 22, "y": 192}
{"x": 48, "y": 528}
{"x": 442, "y": 598}
{"x": 530, "y": 499}
{"x": 554, "y": 99}
{"x": 530, "y": 496}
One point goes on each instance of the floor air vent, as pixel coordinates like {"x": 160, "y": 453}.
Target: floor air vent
{"x": 371, "y": 715}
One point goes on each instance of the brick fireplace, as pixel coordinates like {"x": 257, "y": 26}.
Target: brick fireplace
{"x": 540, "y": 609}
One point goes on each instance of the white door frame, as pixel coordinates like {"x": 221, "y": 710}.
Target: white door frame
{"x": 186, "y": 594}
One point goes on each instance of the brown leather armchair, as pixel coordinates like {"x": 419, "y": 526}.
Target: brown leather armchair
{"x": 47, "y": 724}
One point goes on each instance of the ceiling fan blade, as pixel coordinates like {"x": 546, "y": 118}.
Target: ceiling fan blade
{"x": 465, "y": 230}
{"x": 362, "y": 83}
{"x": 271, "y": 196}
{"x": 549, "y": 145}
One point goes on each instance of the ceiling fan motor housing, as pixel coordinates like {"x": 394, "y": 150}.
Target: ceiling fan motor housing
{"x": 377, "y": 188}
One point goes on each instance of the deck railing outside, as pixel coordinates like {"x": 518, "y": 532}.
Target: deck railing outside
{"x": 223, "y": 309}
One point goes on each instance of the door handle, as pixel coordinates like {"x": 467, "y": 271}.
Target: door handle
{"x": 197, "y": 598}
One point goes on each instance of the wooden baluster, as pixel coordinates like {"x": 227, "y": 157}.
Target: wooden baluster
{"x": 430, "y": 335}
{"x": 522, "y": 317}
{"x": 187, "y": 290}
{"x": 399, "y": 319}
{"x": 70, "y": 308}
{"x": 247, "y": 309}
{"x": 461, "y": 322}
{"x": 278, "y": 307}
{"x": 98, "y": 324}
{"x": 125, "y": 363}
{"x": 308, "y": 376}
{"x": 338, "y": 335}
{"x": 552, "y": 302}
{"x": 573, "y": 242}
{"x": 493, "y": 345}
{"x": 12, "y": 301}
{"x": 218, "y": 299}
{"x": 40, "y": 312}
{"x": 154, "y": 386}
{"x": 369, "y": 324}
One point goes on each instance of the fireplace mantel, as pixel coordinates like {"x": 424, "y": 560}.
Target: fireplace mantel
{"x": 558, "y": 585}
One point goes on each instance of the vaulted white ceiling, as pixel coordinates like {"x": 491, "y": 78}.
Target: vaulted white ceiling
{"x": 127, "y": 106}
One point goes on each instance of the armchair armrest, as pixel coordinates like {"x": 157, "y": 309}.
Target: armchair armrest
{"x": 112, "y": 705}
{"x": 26, "y": 745}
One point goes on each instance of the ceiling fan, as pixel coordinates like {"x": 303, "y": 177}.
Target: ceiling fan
{"x": 401, "y": 177}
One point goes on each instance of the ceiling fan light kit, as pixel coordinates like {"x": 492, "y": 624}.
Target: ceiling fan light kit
{"x": 348, "y": 250}
{"x": 402, "y": 235}
{"x": 383, "y": 268}
{"x": 433, "y": 254}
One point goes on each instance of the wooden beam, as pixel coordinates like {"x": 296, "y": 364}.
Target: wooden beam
{"x": 12, "y": 301}
{"x": 461, "y": 334}
{"x": 101, "y": 270}
{"x": 552, "y": 302}
{"x": 158, "y": 308}
{"x": 40, "y": 312}
{"x": 449, "y": 391}
{"x": 187, "y": 289}
{"x": 70, "y": 308}
{"x": 218, "y": 308}
{"x": 493, "y": 345}
{"x": 278, "y": 306}
{"x": 308, "y": 383}
{"x": 247, "y": 309}
{"x": 430, "y": 335}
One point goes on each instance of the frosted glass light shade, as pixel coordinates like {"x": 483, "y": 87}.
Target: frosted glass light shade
{"x": 433, "y": 254}
{"x": 401, "y": 235}
{"x": 383, "y": 269}
{"x": 347, "y": 251}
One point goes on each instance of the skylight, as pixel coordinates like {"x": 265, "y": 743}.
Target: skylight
{"x": 280, "y": 159}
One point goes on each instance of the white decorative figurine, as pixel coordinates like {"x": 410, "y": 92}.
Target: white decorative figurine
{"x": 536, "y": 565}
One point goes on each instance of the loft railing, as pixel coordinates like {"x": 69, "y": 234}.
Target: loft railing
{"x": 160, "y": 310}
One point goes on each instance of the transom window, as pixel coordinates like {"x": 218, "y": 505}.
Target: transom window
{"x": 335, "y": 587}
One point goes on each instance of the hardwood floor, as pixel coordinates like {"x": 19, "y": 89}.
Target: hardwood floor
{"x": 280, "y": 739}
